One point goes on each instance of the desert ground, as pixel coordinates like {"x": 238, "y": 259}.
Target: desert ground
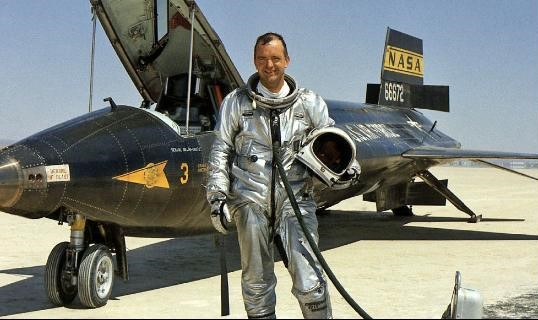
{"x": 394, "y": 267}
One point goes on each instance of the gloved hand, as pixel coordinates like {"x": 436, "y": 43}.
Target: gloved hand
{"x": 353, "y": 174}
{"x": 349, "y": 178}
{"x": 220, "y": 215}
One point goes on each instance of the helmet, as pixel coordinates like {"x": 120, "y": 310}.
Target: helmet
{"x": 270, "y": 103}
{"x": 329, "y": 152}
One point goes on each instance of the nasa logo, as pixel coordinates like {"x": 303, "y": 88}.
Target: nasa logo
{"x": 403, "y": 61}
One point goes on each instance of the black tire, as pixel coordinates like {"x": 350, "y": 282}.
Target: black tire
{"x": 59, "y": 291}
{"x": 403, "y": 211}
{"x": 96, "y": 276}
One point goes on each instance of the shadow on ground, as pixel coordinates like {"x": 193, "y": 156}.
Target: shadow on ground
{"x": 521, "y": 307}
{"x": 177, "y": 261}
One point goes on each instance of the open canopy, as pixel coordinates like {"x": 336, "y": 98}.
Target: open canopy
{"x": 152, "y": 40}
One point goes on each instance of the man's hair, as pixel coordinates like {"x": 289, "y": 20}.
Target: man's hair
{"x": 268, "y": 37}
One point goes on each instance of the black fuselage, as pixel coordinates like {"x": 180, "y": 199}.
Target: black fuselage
{"x": 128, "y": 167}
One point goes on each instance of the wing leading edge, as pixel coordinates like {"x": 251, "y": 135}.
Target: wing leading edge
{"x": 444, "y": 155}
{"x": 438, "y": 153}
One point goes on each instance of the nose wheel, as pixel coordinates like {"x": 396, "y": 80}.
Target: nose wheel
{"x": 60, "y": 289}
{"x": 93, "y": 284}
{"x": 96, "y": 276}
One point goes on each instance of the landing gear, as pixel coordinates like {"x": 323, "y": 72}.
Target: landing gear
{"x": 75, "y": 267}
{"x": 96, "y": 276}
{"x": 60, "y": 289}
{"x": 403, "y": 211}
{"x": 436, "y": 185}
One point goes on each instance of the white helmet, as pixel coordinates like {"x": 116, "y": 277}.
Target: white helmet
{"x": 329, "y": 152}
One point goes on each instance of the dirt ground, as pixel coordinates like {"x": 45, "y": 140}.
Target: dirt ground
{"x": 393, "y": 267}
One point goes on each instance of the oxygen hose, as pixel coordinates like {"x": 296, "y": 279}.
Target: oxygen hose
{"x": 311, "y": 241}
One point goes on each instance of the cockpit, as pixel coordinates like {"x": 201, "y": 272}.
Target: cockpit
{"x": 167, "y": 47}
{"x": 205, "y": 98}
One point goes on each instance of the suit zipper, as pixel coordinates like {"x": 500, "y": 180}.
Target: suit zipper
{"x": 275, "y": 140}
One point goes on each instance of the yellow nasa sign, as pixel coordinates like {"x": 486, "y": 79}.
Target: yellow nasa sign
{"x": 403, "y": 61}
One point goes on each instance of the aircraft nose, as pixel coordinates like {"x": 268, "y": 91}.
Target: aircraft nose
{"x": 11, "y": 182}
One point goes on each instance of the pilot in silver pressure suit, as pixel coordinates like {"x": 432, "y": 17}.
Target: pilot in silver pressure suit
{"x": 270, "y": 111}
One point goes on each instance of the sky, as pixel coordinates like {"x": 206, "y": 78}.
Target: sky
{"x": 486, "y": 51}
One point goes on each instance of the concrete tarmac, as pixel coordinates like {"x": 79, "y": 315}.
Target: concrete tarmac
{"x": 394, "y": 267}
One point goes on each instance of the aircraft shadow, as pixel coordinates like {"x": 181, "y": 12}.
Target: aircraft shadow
{"x": 175, "y": 261}
{"x": 342, "y": 227}
{"x": 154, "y": 266}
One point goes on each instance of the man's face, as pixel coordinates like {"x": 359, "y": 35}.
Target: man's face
{"x": 271, "y": 62}
{"x": 330, "y": 155}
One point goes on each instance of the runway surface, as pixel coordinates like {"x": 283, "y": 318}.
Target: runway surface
{"x": 394, "y": 267}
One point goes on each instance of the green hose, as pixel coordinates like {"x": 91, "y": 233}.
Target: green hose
{"x": 312, "y": 243}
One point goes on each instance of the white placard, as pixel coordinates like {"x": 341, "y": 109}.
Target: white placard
{"x": 58, "y": 173}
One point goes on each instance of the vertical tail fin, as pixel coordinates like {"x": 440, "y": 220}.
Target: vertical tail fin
{"x": 402, "y": 77}
{"x": 402, "y": 59}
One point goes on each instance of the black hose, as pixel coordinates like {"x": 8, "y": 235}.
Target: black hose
{"x": 312, "y": 243}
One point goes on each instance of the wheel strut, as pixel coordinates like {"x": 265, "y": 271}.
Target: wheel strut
{"x": 61, "y": 268}
{"x": 77, "y": 222}
{"x": 432, "y": 181}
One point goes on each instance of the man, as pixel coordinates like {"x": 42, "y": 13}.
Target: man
{"x": 269, "y": 114}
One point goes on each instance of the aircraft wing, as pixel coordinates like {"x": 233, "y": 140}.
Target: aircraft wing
{"x": 438, "y": 153}
{"x": 444, "y": 155}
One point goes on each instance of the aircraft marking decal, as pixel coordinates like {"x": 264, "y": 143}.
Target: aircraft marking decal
{"x": 58, "y": 173}
{"x": 403, "y": 61}
{"x": 186, "y": 149}
{"x": 152, "y": 175}
{"x": 370, "y": 131}
{"x": 413, "y": 123}
{"x": 185, "y": 177}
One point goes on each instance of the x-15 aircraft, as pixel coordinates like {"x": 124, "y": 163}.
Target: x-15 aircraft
{"x": 140, "y": 171}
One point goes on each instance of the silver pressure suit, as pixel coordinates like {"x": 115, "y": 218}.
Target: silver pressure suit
{"x": 243, "y": 173}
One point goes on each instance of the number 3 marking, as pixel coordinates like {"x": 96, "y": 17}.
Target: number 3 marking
{"x": 185, "y": 168}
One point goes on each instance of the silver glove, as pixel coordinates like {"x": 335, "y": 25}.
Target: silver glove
{"x": 220, "y": 216}
{"x": 349, "y": 178}
{"x": 353, "y": 174}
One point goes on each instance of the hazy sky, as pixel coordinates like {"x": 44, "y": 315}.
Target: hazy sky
{"x": 486, "y": 51}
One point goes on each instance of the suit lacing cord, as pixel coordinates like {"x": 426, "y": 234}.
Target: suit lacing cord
{"x": 315, "y": 249}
